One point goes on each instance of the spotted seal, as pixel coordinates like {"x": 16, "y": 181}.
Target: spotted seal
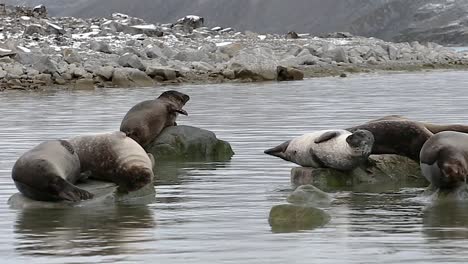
{"x": 48, "y": 172}
{"x": 444, "y": 159}
{"x": 337, "y": 149}
{"x": 145, "y": 121}
{"x": 116, "y": 158}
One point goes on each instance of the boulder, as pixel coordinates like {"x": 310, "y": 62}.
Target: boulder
{"x": 186, "y": 143}
{"x": 290, "y": 218}
{"x": 163, "y": 73}
{"x": 71, "y": 56}
{"x": 132, "y": 61}
{"x": 148, "y": 30}
{"x": 191, "y": 22}
{"x": 45, "y": 65}
{"x": 6, "y": 53}
{"x": 288, "y": 74}
{"x": 105, "y": 72}
{"x": 292, "y": 35}
{"x": 379, "y": 171}
{"x": 35, "y": 29}
{"x": 100, "y": 46}
{"x": 128, "y": 77}
{"x": 84, "y": 84}
{"x": 104, "y": 193}
{"x": 257, "y": 64}
{"x": 310, "y": 195}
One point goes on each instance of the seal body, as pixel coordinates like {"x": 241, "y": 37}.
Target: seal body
{"x": 444, "y": 159}
{"x": 116, "y": 158}
{"x": 48, "y": 172}
{"x": 337, "y": 149}
{"x": 394, "y": 136}
{"x": 145, "y": 121}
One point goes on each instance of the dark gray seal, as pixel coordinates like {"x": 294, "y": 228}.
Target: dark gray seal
{"x": 444, "y": 159}
{"x": 337, "y": 149}
{"x": 114, "y": 157}
{"x": 394, "y": 136}
{"x": 145, "y": 121}
{"x": 48, "y": 172}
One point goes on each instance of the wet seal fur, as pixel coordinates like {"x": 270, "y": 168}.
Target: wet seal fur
{"x": 400, "y": 137}
{"x": 48, "y": 172}
{"x": 337, "y": 149}
{"x": 145, "y": 121}
{"x": 444, "y": 160}
{"x": 114, "y": 157}
{"x": 396, "y": 134}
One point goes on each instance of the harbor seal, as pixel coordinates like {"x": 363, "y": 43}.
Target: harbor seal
{"x": 116, "y": 158}
{"x": 48, "y": 172}
{"x": 145, "y": 121}
{"x": 400, "y": 137}
{"x": 337, "y": 149}
{"x": 434, "y": 128}
{"x": 444, "y": 159}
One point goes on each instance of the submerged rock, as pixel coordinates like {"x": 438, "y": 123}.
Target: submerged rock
{"x": 290, "y": 218}
{"x": 187, "y": 143}
{"x": 310, "y": 195}
{"x": 104, "y": 193}
{"x": 380, "y": 169}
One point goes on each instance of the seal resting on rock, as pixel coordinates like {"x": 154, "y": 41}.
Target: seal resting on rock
{"x": 337, "y": 149}
{"x": 116, "y": 158}
{"x": 444, "y": 159}
{"x": 400, "y": 137}
{"x": 48, "y": 172}
{"x": 145, "y": 121}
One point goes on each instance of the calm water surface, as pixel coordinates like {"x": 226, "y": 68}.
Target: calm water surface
{"x": 218, "y": 212}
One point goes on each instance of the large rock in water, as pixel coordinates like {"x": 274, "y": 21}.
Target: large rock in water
{"x": 104, "y": 193}
{"x": 379, "y": 171}
{"x": 290, "y": 218}
{"x": 186, "y": 143}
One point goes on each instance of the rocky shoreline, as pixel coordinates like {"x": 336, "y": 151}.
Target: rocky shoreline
{"x": 40, "y": 52}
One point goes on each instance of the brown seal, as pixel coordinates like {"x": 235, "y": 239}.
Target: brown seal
{"x": 434, "y": 128}
{"x": 401, "y": 137}
{"x": 48, "y": 172}
{"x": 145, "y": 121}
{"x": 444, "y": 159}
{"x": 116, "y": 158}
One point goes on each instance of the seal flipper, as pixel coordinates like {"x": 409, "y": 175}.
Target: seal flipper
{"x": 279, "y": 151}
{"x": 326, "y": 136}
{"x": 74, "y": 194}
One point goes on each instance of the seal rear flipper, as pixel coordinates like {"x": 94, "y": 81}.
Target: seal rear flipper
{"x": 326, "y": 136}
{"x": 74, "y": 194}
{"x": 278, "y": 151}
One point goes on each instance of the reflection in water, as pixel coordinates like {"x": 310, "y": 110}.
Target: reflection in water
{"x": 82, "y": 231}
{"x": 217, "y": 212}
{"x": 446, "y": 220}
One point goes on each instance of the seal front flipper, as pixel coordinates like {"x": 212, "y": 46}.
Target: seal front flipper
{"x": 279, "y": 151}
{"x": 326, "y": 136}
{"x": 74, "y": 194}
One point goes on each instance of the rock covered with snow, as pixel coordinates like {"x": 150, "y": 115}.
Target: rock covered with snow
{"x": 120, "y": 50}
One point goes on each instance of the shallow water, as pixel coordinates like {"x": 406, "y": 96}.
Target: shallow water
{"x": 218, "y": 212}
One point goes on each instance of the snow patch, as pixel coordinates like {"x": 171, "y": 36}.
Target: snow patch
{"x": 222, "y": 44}
{"x": 5, "y": 50}
{"x": 262, "y": 37}
{"x": 150, "y": 26}
{"x": 24, "y": 49}
{"x": 25, "y": 18}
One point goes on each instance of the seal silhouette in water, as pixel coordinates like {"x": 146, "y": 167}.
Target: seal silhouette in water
{"x": 337, "y": 149}
{"x": 145, "y": 121}
{"x": 116, "y": 158}
{"x": 48, "y": 172}
{"x": 444, "y": 159}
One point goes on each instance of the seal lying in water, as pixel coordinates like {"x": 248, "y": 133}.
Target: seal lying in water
{"x": 48, "y": 172}
{"x": 337, "y": 149}
{"x": 444, "y": 159}
{"x": 116, "y": 158}
{"x": 145, "y": 121}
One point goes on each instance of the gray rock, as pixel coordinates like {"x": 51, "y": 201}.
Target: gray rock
{"x": 257, "y": 64}
{"x": 288, "y": 74}
{"x": 6, "y": 52}
{"x": 35, "y": 29}
{"x": 128, "y": 77}
{"x": 132, "y": 61}
{"x": 84, "y": 84}
{"x": 154, "y": 52}
{"x": 45, "y": 65}
{"x": 105, "y": 72}
{"x": 13, "y": 69}
{"x": 381, "y": 170}
{"x": 186, "y": 143}
{"x": 231, "y": 49}
{"x": 71, "y": 56}
{"x": 291, "y": 218}
{"x": 54, "y": 29}
{"x": 104, "y": 193}
{"x": 191, "y": 22}
{"x": 164, "y": 73}
{"x": 2, "y": 73}
{"x": 100, "y": 46}
{"x": 191, "y": 55}
{"x": 149, "y": 30}
{"x": 310, "y": 195}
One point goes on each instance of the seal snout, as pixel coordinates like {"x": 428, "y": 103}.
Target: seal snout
{"x": 454, "y": 174}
